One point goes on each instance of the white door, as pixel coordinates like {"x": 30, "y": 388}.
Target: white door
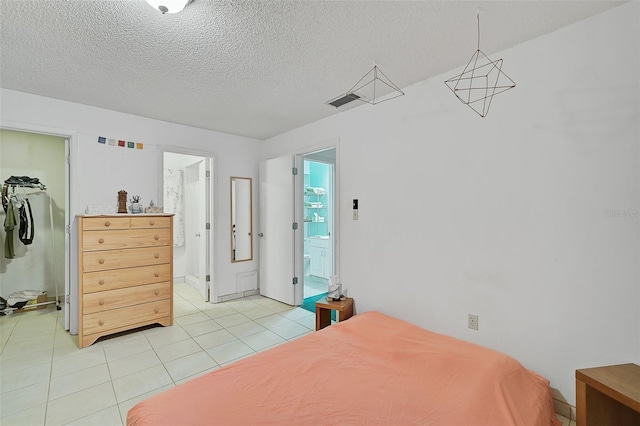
{"x": 203, "y": 232}
{"x": 276, "y": 229}
{"x": 195, "y": 186}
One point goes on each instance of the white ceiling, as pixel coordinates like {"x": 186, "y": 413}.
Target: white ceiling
{"x": 251, "y": 68}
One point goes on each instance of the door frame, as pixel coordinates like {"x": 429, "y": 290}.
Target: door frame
{"x": 299, "y": 213}
{"x": 70, "y": 292}
{"x": 212, "y": 158}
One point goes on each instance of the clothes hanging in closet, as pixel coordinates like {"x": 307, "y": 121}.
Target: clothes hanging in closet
{"x": 9, "y": 225}
{"x": 26, "y": 230}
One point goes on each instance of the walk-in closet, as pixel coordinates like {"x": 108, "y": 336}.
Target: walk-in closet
{"x": 34, "y": 185}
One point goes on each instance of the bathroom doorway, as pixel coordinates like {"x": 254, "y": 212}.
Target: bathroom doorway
{"x": 319, "y": 214}
{"x": 187, "y": 195}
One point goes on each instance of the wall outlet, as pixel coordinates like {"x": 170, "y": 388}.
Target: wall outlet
{"x": 355, "y": 215}
{"x": 473, "y": 321}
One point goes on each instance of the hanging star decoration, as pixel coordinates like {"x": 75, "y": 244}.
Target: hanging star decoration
{"x": 480, "y": 81}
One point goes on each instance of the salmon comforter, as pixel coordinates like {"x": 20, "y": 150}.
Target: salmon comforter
{"x": 372, "y": 369}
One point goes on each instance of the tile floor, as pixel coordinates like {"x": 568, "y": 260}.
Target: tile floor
{"x": 315, "y": 285}
{"x": 46, "y": 380}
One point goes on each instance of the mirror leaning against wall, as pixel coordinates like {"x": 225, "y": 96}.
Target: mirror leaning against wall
{"x": 241, "y": 219}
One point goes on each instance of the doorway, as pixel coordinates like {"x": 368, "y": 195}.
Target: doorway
{"x": 290, "y": 216}
{"x": 319, "y": 214}
{"x": 40, "y": 261}
{"x": 187, "y": 194}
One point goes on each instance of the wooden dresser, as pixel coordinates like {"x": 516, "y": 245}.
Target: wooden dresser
{"x": 125, "y": 277}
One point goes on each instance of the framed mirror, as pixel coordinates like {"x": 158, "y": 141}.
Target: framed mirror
{"x": 241, "y": 219}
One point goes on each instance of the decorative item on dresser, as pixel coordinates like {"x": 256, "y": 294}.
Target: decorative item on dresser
{"x": 125, "y": 277}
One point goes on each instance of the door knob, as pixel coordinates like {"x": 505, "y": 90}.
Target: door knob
{"x": 197, "y": 235}
{"x": 261, "y": 235}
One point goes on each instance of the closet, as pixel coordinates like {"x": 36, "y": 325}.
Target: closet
{"x": 41, "y": 161}
{"x": 19, "y": 220}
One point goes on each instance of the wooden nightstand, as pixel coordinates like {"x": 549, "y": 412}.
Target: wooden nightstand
{"x": 324, "y": 308}
{"x": 608, "y": 396}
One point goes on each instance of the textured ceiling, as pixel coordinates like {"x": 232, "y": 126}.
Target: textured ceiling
{"x": 251, "y": 68}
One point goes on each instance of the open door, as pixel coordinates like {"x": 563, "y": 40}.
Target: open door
{"x": 188, "y": 176}
{"x": 197, "y": 247}
{"x": 204, "y": 225}
{"x": 277, "y": 233}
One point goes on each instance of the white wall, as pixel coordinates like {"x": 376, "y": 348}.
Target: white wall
{"x": 101, "y": 171}
{"x": 33, "y": 268}
{"x": 507, "y": 217}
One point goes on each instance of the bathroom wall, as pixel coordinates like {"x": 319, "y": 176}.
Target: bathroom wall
{"x": 320, "y": 176}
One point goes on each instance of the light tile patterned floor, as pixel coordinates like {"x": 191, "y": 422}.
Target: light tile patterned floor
{"x": 46, "y": 380}
{"x": 315, "y": 285}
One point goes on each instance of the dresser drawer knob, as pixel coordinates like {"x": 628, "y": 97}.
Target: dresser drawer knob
{"x": 156, "y": 238}
{"x": 156, "y": 255}
{"x": 101, "y": 282}
{"x": 101, "y": 302}
{"x": 156, "y": 275}
{"x": 101, "y": 240}
{"x": 101, "y": 322}
{"x": 157, "y": 292}
{"x": 156, "y": 310}
{"x": 151, "y": 222}
{"x": 107, "y": 224}
{"x": 101, "y": 261}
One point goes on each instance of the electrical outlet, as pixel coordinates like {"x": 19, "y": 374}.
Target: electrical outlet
{"x": 473, "y": 321}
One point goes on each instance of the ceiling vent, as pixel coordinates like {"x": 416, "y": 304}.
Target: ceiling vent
{"x": 338, "y": 102}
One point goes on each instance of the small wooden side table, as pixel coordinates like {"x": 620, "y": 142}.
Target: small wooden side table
{"x": 608, "y": 396}
{"x": 324, "y": 308}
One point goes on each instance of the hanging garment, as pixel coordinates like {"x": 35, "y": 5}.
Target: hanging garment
{"x": 9, "y": 225}
{"x": 22, "y": 180}
{"x": 26, "y": 230}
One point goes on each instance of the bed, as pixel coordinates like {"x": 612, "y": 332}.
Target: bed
{"x": 371, "y": 369}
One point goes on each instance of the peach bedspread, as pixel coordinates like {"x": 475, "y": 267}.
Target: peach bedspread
{"x": 372, "y": 369}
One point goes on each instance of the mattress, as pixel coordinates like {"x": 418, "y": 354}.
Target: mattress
{"x": 372, "y": 369}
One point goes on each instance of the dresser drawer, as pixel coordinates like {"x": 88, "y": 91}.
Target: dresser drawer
{"x": 122, "y": 278}
{"x": 100, "y": 322}
{"x": 120, "y": 239}
{"x": 150, "y": 222}
{"x": 102, "y": 223}
{"x": 113, "y": 299}
{"x": 125, "y": 258}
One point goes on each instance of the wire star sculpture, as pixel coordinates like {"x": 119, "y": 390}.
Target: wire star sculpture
{"x": 375, "y": 87}
{"x": 480, "y": 81}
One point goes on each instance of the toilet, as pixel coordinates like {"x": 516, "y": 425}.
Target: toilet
{"x": 307, "y": 264}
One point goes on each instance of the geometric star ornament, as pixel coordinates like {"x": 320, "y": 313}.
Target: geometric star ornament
{"x": 373, "y": 88}
{"x": 480, "y": 81}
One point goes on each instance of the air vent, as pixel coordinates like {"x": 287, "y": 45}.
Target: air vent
{"x": 349, "y": 97}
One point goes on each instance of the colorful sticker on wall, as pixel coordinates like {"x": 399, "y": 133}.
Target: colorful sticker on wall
{"x": 122, "y": 143}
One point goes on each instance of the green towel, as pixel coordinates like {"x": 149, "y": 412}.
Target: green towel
{"x": 9, "y": 225}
